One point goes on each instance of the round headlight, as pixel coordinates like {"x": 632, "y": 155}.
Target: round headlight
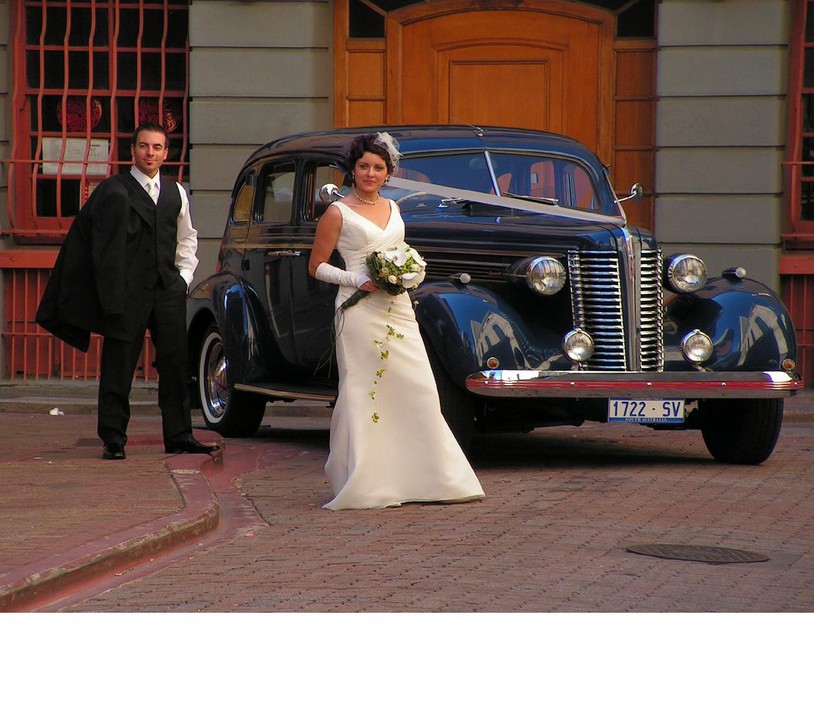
{"x": 578, "y": 345}
{"x": 685, "y": 273}
{"x": 696, "y": 347}
{"x": 545, "y": 275}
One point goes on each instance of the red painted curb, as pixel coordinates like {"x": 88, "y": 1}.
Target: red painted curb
{"x": 200, "y": 514}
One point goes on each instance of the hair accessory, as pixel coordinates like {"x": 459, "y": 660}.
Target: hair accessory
{"x": 383, "y": 139}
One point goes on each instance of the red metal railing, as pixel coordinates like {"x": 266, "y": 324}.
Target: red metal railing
{"x": 32, "y": 353}
{"x": 797, "y": 291}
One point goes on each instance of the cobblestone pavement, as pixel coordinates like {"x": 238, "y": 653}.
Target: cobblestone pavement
{"x": 562, "y": 505}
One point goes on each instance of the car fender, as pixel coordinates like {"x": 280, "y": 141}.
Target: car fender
{"x": 468, "y": 326}
{"x": 749, "y": 326}
{"x": 236, "y": 309}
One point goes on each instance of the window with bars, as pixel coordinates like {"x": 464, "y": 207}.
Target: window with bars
{"x": 86, "y": 72}
{"x": 800, "y": 165}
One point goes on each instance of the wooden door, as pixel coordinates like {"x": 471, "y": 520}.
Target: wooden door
{"x": 544, "y": 68}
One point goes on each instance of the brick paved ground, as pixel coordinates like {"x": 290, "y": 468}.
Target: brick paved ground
{"x": 59, "y": 494}
{"x": 562, "y": 505}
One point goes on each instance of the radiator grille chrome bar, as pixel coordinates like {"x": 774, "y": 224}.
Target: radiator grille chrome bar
{"x": 603, "y": 284}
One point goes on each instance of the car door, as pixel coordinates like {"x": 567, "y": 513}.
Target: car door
{"x": 270, "y": 235}
{"x": 312, "y": 301}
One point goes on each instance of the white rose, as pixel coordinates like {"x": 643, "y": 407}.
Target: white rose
{"x": 392, "y": 279}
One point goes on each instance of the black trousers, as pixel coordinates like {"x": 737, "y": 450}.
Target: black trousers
{"x": 166, "y": 322}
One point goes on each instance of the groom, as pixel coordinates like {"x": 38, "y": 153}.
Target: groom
{"x": 124, "y": 268}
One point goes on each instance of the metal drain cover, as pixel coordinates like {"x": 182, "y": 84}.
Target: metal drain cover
{"x": 697, "y": 553}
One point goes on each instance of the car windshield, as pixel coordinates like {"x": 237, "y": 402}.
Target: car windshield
{"x": 542, "y": 178}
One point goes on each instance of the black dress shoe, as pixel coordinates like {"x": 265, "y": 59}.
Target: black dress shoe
{"x": 113, "y": 451}
{"x": 190, "y": 445}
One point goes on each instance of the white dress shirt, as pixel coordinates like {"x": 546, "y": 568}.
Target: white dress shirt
{"x": 187, "y": 246}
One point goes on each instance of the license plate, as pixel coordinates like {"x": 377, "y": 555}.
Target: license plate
{"x": 645, "y": 410}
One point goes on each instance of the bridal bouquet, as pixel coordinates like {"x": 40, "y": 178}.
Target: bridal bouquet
{"x": 395, "y": 270}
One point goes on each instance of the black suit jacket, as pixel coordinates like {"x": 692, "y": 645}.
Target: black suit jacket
{"x": 109, "y": 257}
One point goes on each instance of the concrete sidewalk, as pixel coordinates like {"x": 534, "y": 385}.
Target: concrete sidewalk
{"x": 67, "y": 515}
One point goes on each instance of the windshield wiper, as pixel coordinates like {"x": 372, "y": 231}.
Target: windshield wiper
{"x": 533, "y": 199}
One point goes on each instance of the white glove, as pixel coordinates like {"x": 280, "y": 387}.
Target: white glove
{"x": 335, "y": 275}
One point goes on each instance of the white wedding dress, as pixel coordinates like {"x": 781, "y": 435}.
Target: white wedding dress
{"x": 409, "y": 453}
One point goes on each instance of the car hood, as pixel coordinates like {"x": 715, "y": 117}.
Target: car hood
{"x": 475, "y": 228}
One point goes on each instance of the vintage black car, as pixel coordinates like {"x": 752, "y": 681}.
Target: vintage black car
{"x": 542, "y": 305}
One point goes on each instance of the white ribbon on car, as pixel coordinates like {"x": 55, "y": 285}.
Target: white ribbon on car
{"x": 505, "y": 202}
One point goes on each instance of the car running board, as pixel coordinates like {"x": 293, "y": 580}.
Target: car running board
{"x": 288, "y": 393}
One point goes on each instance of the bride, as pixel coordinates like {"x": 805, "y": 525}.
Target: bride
{"x": 389, "y": 442}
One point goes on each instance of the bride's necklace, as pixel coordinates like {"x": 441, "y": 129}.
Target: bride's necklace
{"x": 364, "y": 200}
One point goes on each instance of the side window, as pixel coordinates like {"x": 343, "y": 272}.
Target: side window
{"x": 319, "y": 176}
{"x": 278, "y": 193}
{"x": 242, "y": 210}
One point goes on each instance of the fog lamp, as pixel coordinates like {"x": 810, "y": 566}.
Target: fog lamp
{"x": 696, "y": 347}
{"x": 578, "y": 345}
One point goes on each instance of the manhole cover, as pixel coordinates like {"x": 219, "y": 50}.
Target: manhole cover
{"x": 697, "y": 553}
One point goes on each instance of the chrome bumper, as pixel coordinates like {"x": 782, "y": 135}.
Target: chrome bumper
{"x": 687, "y": 385}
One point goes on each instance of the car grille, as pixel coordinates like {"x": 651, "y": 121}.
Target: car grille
{"x": 617, "y": 298}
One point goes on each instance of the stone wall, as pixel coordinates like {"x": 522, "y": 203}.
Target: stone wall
{"x": 721, "y": 131}
{"x": 258, "y": 71}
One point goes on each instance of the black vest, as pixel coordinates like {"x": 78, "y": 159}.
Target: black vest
{"x": 164, "y": 242}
